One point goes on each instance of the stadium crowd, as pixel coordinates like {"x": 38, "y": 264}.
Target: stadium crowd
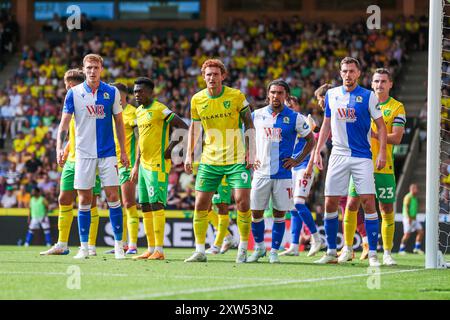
{"x": 305, "y": 55}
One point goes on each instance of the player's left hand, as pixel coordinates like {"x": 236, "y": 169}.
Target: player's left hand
{"x": 381, "y": 161}
{"x": 307, "y": 174}
{"x": 290, "y": 163}
{"x": 124, "y": 159}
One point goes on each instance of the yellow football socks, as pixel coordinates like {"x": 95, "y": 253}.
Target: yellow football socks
{"x": 93, "y": 228}
{"x": 133, "y": 224}
{"x": 148, "y": 228}
{"x": 387, "y": 230}
{"x": 159, "y": 222}
{"x": 244, "y": 222}
{"x": 350, "y": 221}
{"x": 65, "y": 219}
{"x": 200, "y": 225}
{"x": 125, "y": 226}
{"x": 213, "y": 218}
{"x": 222, "y": 230}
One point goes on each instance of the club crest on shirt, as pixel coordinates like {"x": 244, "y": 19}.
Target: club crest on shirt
{"x": 346, "y": 114}
{"x": 359, "y": 99}
{"x": 149, "y": 115}
{"x": 286, "y": 120}
{"x": 387, "y": 112}
{"x": 106, "y": 95}
{"x": 227, "y": 104}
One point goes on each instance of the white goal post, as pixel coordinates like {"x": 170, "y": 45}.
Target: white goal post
{"x": 433, "y": 257}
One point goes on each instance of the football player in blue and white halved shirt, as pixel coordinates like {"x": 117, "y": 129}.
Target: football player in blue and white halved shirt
{"x": 276, "y": 128}
{"x": 94, "y": 104}
{"x": 348, "y": 112}
{"x": 302, "y": 181}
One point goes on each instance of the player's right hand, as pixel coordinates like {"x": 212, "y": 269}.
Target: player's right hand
{"x": 60, "y": 158}
{"x": 257, "y": 164}
{"x": 188, "y": 165}
{"x": 318, "y": 161}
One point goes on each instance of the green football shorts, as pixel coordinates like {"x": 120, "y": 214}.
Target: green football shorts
{"x": 209, "y": 177}
{"x": 385, "y": 186}
{"x": 152, "y": 186}
{"x": 124, "y": 175}
{"x": 68, "y": 179}
{"x": 223, "y": 194}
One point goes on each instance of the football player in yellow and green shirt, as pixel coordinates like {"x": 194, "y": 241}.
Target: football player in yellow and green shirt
{"x": 128, "y": 187}
{"x": 394, "y": 116}
{"x": 67, "y": 193}
{"x": 220, "y": 111}
{"x": 153, "y": 163}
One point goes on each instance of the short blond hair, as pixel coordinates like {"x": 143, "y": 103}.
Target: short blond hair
{"x": 214, "y": 63}
{"x": 93, "y": 57}
{"x": 75, "y": 75}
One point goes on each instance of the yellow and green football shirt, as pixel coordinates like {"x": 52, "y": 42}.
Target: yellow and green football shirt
{"x": 129, "y": 121}
{"x": 219, "y": 116}
{"x": 71, "y": 156}
{"x": 393, "y": 115}
{"x": 153, "y": 123}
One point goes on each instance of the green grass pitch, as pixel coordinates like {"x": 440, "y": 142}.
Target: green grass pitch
{"x": 26, "y": 275}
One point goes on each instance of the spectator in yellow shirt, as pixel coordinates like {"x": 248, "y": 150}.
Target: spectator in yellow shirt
{"x": 19, "y": 143}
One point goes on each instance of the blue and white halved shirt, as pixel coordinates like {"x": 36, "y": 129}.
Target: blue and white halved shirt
{"x": 351, "y": 114}
{"x": 276, "y": 135}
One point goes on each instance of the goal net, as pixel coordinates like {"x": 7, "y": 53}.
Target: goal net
{"x": 438, "y": 137}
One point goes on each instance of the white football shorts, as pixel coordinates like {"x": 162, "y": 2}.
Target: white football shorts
{"x": 338, "y": 175}
{"x": 411, "y": 227}
{"x": 279, "y": 189}
{"x": 302, "y": 187}
{"x": 35, "y": 223}
{"x": 86, "y": 169}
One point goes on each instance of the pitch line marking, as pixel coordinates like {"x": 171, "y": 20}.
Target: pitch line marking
{"x": 61, "y": 273}
{"x": 245, "y": 286}
{"x": 135, "y": 275}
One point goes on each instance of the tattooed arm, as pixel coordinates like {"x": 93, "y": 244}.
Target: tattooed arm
{"x": 63, "y": 131}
